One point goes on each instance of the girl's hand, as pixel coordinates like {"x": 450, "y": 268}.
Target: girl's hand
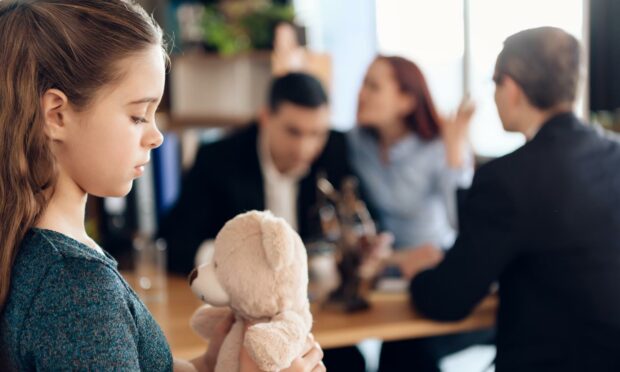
{"x": 309, "y": 361}
{"x": 206, "y": 362}
{"x": 215, "y": 343}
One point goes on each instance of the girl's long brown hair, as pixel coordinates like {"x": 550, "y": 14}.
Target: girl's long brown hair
{"x": 71, "y": 45}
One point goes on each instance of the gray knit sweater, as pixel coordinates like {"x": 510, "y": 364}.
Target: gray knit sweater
{"x": 70, "y": 309}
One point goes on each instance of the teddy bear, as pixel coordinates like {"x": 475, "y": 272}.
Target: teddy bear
{"x": 259, "y": 272}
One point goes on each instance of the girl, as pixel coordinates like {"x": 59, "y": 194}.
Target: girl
{"x": 80, "y": 81}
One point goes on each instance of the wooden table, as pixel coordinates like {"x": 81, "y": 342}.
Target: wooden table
{"x": 389, "y": 318}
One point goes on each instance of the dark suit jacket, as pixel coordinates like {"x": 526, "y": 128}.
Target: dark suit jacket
{"x": 544, "y": 221}
{"x": 226, "y": 180}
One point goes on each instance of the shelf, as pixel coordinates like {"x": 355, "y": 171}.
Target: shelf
{"x": 264, "y": 55}
{"x": 209, "y": 90}
{"x": 188, "y": 122}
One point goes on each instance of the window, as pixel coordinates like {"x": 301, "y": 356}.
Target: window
{"x": 440, "y": 36}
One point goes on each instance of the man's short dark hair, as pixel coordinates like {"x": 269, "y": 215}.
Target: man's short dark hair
{"x": 544, "y": 62}
{"x": 296, "y": 88}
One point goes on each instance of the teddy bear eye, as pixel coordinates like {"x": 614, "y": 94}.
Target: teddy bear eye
{"x": 215, "y": 265}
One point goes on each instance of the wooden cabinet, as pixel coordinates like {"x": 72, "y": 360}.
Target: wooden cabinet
{"x": 209, "y": 90}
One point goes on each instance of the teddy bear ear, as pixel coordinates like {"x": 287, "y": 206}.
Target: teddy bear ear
{"x": 278, "y": 241}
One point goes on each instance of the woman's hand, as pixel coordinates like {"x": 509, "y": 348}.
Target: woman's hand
{"x": 376, "y": 251}
{"x": 419, "y": 259}
{"x": 309, "y": 361}
{"x": 454, "y": 132}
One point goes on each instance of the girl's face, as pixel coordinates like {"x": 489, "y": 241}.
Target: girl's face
{"x": 105, "y": 147}
{"x": 380, "y": 101}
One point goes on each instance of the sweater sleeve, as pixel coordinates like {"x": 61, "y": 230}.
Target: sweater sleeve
{"x": 80, "y": 319}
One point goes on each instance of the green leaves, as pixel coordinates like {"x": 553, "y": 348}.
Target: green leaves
{"x": 230, "y": 34}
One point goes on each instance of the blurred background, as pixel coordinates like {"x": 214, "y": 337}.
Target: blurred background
{"x": 224, "y": 54}
{"x": 223, "y": 58}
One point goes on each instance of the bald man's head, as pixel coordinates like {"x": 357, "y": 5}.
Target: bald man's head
{"x": 545, "y": 63}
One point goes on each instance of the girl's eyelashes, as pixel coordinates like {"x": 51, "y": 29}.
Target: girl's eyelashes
{"x": 139, "y": 119}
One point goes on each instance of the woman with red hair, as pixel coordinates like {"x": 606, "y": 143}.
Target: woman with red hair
{"x": 411, "y": 162}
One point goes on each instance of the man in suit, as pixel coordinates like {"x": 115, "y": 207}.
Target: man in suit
{"x": 272, "y": 164}
{"x": 543, "y": 221}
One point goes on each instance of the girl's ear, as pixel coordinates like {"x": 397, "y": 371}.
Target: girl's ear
{"x": 55, "y": 106}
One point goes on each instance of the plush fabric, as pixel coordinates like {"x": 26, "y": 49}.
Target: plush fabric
{"x": 260, "y": 269}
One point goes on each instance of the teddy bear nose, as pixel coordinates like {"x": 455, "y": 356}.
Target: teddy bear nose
{"x": 192, "y": 276}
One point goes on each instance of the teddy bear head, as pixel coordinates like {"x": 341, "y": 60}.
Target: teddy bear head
{"x": 259, "y": 268}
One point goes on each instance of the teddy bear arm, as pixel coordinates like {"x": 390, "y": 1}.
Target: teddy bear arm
{"x": 206, "y": 318}
{"x": 274, "y": 345}
{"x": 228, "y": 357}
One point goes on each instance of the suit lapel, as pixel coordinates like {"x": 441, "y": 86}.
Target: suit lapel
{"x": 250, "y": 187}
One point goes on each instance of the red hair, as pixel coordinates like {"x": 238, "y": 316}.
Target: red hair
{"x": 423, "y": 119}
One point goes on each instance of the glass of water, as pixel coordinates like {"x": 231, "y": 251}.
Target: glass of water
{"x": 150, "y": 258}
